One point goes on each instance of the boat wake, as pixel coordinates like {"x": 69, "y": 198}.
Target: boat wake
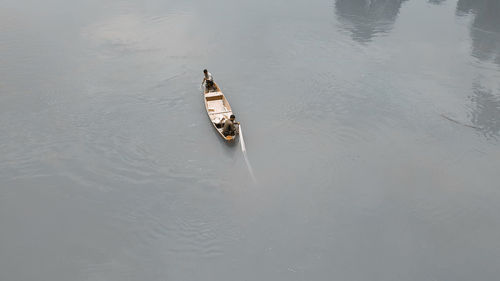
{"x": 244, "y": 151}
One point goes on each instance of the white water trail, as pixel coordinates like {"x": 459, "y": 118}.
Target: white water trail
{"x": 244, "y": 150}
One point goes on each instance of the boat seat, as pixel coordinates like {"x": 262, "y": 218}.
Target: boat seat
{"x": 218, "y": 112}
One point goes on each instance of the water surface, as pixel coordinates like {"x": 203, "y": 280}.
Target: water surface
{"x": 372, "y": 127}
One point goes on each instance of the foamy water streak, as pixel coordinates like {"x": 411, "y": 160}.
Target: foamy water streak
{"x": 244, "y": 150}
{"x": 250, "y": 170}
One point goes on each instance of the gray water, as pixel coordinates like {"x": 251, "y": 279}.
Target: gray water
{"x": 373, "y": 130}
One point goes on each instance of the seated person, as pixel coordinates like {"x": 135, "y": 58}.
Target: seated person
{"x": 229, "y": 129}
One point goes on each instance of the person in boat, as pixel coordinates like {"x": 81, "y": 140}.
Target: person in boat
{"x": 208, "y": 80}
{"x": 229, "y": 129}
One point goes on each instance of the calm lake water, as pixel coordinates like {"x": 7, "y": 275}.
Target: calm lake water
{"x": 373, "y": 129}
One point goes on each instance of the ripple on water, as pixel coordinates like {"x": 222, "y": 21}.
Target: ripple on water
{"x": 333, "y": 108}
{"x": 131, "y": 33}
{"x": 179, "y": 224}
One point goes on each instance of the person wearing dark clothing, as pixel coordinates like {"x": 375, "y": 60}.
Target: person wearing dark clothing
{"x": 229, "y": 129}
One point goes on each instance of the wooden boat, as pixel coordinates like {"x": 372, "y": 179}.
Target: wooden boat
{"x": 218, "y": 109}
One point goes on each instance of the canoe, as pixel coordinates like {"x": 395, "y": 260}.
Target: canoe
{"x": 218, "y": 110}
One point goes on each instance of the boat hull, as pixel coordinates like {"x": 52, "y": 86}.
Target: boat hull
{"x": 218, "y": 110}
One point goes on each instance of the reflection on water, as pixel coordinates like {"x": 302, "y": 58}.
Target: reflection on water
{"x": 485, "y": 35}
{"x": 485, "y": 30}
{"x": 366, "y": 18}
{"x": 485, "y": 110}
